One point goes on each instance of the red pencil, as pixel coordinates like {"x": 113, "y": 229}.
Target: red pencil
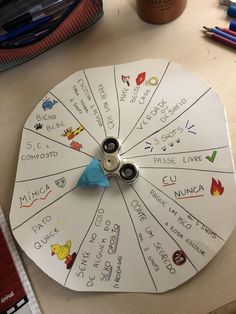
{"x": 226, "y": 30}
{"x": 222, "y": 40}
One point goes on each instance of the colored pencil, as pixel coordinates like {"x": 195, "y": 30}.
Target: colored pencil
{"x": 226, "y": 30}
{"x": 221, "y": 39}
{"x": 220, "y": 33}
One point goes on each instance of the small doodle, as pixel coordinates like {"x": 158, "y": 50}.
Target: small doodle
{"x": 125, "y": 79}
{"x": 140, "y": 78}
{"x": 63, "y": 253}
{"x": 189, "y": 128}
{"x": 149, "y": 146}
{"x": 212, "y": 157}
{"x": 61, "y": 183}
{"x": 76, "y": 146}
{"x": 179, "y": 258}
{"x": 153, "y": 81}
{"x": 38, "y": 126}
{"x": 171, "y": 144}
{"x": 70, "y": 133}
{"x": 48, "y": 104}
{"x": 216, "y": 188}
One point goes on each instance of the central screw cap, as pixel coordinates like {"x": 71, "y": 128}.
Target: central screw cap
{"x": 110, "y": 163}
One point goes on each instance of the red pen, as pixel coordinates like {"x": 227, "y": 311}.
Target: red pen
{"x": 226, "y": 30}
{"x": 222, "y": 40}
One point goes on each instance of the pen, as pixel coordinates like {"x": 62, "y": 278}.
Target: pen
{"x": 24, "y": 18}
{"x": 31, "y": 36}
{"x": 220, "y": 39}
{"x": 25, "y": 29}
{"x": 220, "y": 33}
{"x": 43, "y": 8}
{"x": 232, "y": 26}
{"x": 26, "y": 40}
{"x": 231, "y": 11}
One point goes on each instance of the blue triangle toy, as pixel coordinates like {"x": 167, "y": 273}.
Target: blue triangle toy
{"x": 93, "y": 176}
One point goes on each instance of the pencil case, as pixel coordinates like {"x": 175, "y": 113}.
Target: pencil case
{"x": 78, "y": 17}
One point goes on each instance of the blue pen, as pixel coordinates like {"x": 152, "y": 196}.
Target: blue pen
{"x": 231, "y": 11}
{"x": 220, "y": 33}
{"x": 25, "y": 29}
{"x": 232, "y": 26}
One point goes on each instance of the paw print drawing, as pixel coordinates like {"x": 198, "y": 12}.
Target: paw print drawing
{"x": 38, "y": 126}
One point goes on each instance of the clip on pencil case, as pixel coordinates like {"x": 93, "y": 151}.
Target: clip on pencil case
{"x": 79, "y": 16}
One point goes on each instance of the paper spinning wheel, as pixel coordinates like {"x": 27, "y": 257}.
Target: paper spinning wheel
{"x": 125, "y": 179}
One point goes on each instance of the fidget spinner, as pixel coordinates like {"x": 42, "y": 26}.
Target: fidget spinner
{"x": 114, "y": 165}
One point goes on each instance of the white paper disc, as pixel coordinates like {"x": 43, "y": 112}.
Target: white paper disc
{"x": 148, "y": 236}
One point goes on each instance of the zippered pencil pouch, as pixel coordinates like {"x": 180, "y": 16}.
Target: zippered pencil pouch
{"x": 77, "y": 17}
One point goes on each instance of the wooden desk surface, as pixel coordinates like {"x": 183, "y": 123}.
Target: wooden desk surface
{"x": 119, "y": 37}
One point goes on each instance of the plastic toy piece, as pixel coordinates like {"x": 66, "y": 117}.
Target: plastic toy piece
{"x": 93, "y": 176}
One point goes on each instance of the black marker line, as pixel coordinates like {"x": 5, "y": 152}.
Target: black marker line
{"x": 105, "y": 131}
{"x": 35, "y": 214}
{"x": 137, "y": 236}
{"x": 85, "y": 235}
{"x": 55, "y": 141}
{"x": 75, "y": 118}
{"x": 50, "y": 175}
{"x": 149, "y": 101}
{"x": 177, "y": 153}
{"x": 182, "y": 207}
{"x": 169, "y": 122}
{"x": 200, "y": 170}
{"x": 163, "y": 228}
{"x": 118, "y": 101}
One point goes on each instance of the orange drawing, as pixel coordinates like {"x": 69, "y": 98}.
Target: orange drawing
{"x": 70, "y": 134}
{"x": 216, "y": 188}
{"x": 63, "y": 253}
{"x": 76, "y": 146}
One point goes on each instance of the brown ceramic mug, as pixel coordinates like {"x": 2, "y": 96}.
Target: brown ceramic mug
{"x": 160, "y": 11}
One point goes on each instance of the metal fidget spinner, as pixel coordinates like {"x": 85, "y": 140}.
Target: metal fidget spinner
{"x": 113, "y": 164}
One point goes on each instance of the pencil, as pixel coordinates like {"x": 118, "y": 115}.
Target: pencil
{"x": 226, "y": 30}
{"x": 221, "y": 39}
{"x": 220, "y": 33}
